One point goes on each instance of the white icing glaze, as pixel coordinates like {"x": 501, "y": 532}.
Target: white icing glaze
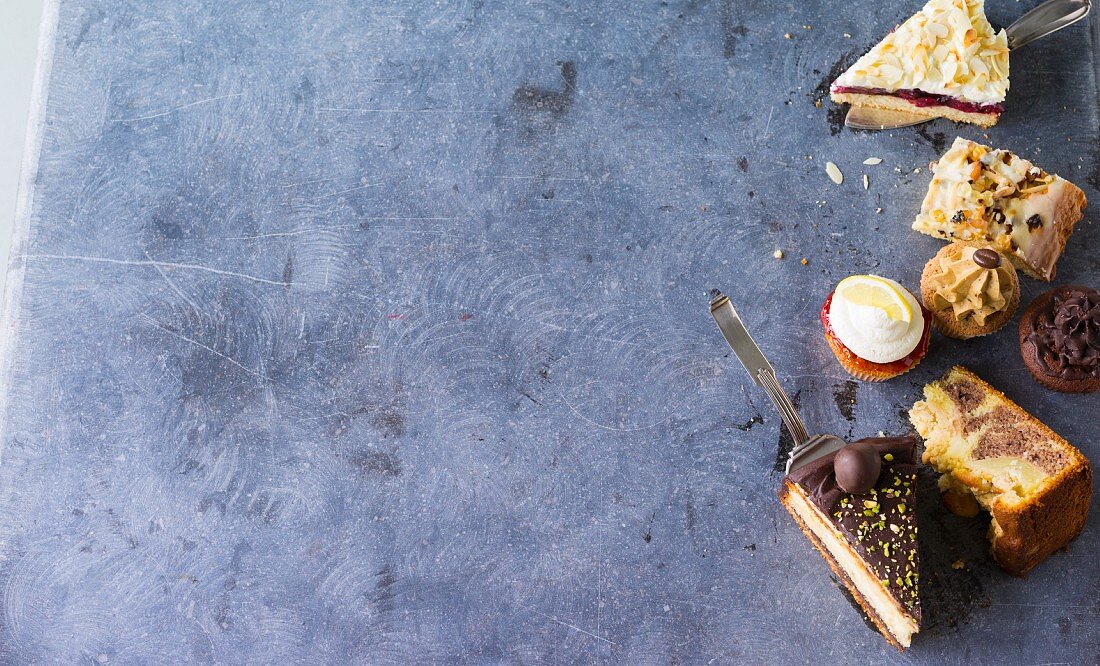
{"x": 871, "y": 334}
{"x": 998, "y": 186}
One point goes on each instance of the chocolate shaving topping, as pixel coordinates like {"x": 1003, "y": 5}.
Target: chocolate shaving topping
{"x": 1066, "y": 334}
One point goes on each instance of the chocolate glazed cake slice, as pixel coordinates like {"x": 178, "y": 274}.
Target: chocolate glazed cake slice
{"x": 869, "y": 539}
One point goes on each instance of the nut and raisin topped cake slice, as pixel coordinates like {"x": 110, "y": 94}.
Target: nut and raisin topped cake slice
{"x": 1035, "y": 485}
{"x": 993, "y": 198}
{"x": 945, "y": 61}
{"x": 857, "y": 507}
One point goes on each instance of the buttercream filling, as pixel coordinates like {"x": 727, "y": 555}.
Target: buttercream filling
{"x": 969, "y": 290}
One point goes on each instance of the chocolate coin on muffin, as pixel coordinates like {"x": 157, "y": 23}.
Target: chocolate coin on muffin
{"x": 1060, "y": 339}
{"x": 970, "y": 292}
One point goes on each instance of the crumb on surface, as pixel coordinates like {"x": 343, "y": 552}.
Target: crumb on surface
{"x": 805, "y": 261}
{"x": 778, "y": 254}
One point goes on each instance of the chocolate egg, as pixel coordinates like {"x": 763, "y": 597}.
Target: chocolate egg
{"x": 857, "y": 467}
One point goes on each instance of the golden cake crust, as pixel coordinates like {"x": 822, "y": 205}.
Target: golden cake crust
{"x": 1023, "y": 533}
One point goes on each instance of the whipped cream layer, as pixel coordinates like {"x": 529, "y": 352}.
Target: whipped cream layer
{"x": 870, "y": 334}
{"x": 947, "y": 48}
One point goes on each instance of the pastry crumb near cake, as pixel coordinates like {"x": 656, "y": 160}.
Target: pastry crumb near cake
{"x": 1036, "y": 486}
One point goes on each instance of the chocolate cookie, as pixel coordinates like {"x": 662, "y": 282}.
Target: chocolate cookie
{"x": 1060, "y": 339}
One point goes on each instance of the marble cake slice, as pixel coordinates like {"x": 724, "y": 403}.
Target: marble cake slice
{"x": 1035, "y": 485}
{"x": 868, "y": 540}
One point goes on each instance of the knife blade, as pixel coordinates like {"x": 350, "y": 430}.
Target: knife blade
{"x": 735, "y": 333}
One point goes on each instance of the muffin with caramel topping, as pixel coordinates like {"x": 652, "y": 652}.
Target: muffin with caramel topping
{"x": 970, "y": 292}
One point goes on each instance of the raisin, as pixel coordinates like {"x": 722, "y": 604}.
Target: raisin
{"x": 960, "y": 216}
{"x": 1034, "y": 222}
{"x": 1008, "y": 227}
{"x": 1006, "y": 157}
{"x": 997, "y": 216}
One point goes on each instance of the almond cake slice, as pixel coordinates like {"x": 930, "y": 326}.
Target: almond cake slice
{"x": 945, "y": 61}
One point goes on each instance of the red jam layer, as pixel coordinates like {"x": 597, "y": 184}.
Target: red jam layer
{"x": 897, "y": 366}
{"x": 921, "y": 98}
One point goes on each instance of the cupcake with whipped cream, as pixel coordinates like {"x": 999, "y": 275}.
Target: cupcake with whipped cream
{"x": 970, "y": 292}
{"x": 875, "y": 327}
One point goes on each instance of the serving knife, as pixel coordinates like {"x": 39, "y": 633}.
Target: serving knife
{"x": 806, "y": 448}
{"x": 1048, "y": 17}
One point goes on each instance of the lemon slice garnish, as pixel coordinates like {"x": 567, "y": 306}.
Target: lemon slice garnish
{"x": 876, "y": 292}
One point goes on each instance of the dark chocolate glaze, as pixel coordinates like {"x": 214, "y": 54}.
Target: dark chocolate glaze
{"x": 1066, "y": 333}
{"x": 880, "y": 524}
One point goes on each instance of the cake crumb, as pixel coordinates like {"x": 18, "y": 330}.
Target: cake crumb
{"x": 778, "y": 254}
{"x": 878, "y": 210}
{"x": 958, "y": 564}
{"x": 805, "y": 261}
{"x": 834, "y": 173}
{"x": 786, "y": 35}
{"x": 847, "y": 36}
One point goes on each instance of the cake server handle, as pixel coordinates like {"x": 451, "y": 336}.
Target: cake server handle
{"x": 761, "y": 371}
{"x": 1045, "y": 19}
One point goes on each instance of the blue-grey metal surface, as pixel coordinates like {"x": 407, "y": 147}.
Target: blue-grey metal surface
{"x": 377, "y": 332}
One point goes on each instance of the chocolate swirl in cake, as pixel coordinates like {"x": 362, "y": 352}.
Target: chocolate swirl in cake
{"x": 880, "y": 522}
{"x": 1066, "y": 334}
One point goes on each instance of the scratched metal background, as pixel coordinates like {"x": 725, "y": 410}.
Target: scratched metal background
{"x": 375, "y": 332}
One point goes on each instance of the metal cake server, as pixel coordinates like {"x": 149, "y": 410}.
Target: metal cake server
{"x": 806, "y": 448}
{"x": 1048, "y": 17}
